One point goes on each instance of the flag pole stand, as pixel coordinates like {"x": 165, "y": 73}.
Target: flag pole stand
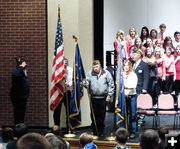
{"x": 111, "y": 137}
{"x": 69, "y": 134}
{"x": 94, "y": 119}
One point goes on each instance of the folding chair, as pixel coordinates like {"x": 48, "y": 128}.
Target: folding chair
{"x": 166, "y": 106}
{"x": 145, "y": 107}
{"x": 178, "y": 113}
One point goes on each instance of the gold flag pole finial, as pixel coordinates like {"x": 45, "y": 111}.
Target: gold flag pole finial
{"x": 59, "y": 10}
{"x": 74, "y": 37}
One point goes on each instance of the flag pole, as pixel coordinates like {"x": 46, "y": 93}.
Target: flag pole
{"x": 69, "y": 135}
{"x": 94, "y": 119}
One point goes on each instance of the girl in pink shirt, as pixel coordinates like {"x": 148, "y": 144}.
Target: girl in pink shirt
{"x": 130, "y": 39}
{"x": 177, "y": 65}
{"x": 170, "y": 70}
{"x": 160, "y": 69}
{"x": 120, "y": 41}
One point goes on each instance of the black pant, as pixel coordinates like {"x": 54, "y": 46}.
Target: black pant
{"x": 19, "y": 107}
{"x": 169, "y": 84}
{"x": 57, "y": 111}
{"x": 99, "y": 111}
{"x": 177, "y": 87}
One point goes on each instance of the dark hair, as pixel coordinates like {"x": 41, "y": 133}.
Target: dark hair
{"x": 147, "y": 30}
{"x": 149, "y": 139}
{"x": 56, "y": 142}
{"x": 85, "y": 138}
{"x": 20, "y": 60}
{"x": 7, "y": 134}
{"x": 33, "y": 141}
{"x": 20, "y": 130}
{"x": 175, "y": 33}
{"x": 162, "y": 25}
{"x": 162, "y": 131}
{"x": 56, "y": 130}
{"x": 121, "y": 135}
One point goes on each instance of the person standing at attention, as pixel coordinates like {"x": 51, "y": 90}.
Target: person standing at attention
{"x": 101, "y": 87}
{"x": 20, "y": 90}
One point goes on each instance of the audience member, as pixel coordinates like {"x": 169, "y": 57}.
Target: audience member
{"x": 158, "y": 43}
{"x": 19, "y": 130}
{"x": 162, "y": 34}
{"x": 151, "y": 61}
{"x": 144, "y": 35}
{"x": 67, "y": 94}
{"x": 153, "y": 36}
{"x": 86, "y": 141}
{"x": 33, "y": 141}
{"x": 7, "y": 136}
{"x": 130, "y": 39}
{"x": 161, "y": 72}
{"x": 142, "y": 71}
{"x": 120, "y": 42}
{"x": 177, "y": 66}
{"x": 56, "y": 142}
{"x": 176, "y": 42}
{"x": 121, "y": 137}
{"x": 19, "y": 92}
{"x": 101, "y": 87}
{"x": 170, "y": 71}
{"x": 130, "y": 83}
{"x": 168, "y": 44}
{"x": 162, "y": 131}
{"x": 149, "y": 139}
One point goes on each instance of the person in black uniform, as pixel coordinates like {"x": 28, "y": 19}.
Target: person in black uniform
{"x": 20, "y": 90}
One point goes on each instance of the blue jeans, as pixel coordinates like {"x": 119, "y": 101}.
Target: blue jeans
{"x": 131, "y": 110}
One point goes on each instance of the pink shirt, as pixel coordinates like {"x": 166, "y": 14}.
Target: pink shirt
{"x": 117, "y": 48}
{"x": 177, "y": 65}
{"x": 161, "y": 67}
{"x": 169, "y": 65}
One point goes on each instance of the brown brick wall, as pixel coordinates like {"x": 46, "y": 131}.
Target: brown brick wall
{"x": 23, "y": 32}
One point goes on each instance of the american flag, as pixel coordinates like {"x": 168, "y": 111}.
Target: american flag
{"x": 58, "y": 68}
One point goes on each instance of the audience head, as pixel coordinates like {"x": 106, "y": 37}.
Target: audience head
{"x": 162, "y": 132}
{"x": 7, "y": 134}
{"x": 158, "y": 43}
{"x": 144, "y": 32}
{"x": 158, "y": 52}
{"x": 149, "y": 139}
{"x": 132, "y": 32}
{"x": 162, "y": 28}
{"x": 177, "y": 36}
{"x": 33, "y": 141}
{"x": 153, "y": 34}
{"x": 56, "y": 142}
{"x": 127, "y": 66}
{"x": 137, "y": 42}
{"x": 20, "y": 130}
{"x": 137, "y": 55}
{"x": 120, "y": 34}
{"x": 85, "y": 138}
{"x": 121, "y": 135}
{"x": 56, "y": 130}
{"x": 177, "y": 51}
{"x": 96, "y": 66}
{"x": 20, "y": 60}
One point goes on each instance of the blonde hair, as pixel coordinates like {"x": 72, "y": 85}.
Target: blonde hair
{"x": 119, "y": 32}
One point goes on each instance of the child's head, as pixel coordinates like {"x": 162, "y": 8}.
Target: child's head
{"x": 121, "y": 135}
{"x": 85, "y": 138}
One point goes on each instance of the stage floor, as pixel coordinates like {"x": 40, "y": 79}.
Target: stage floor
{"x": 165, "y": 121}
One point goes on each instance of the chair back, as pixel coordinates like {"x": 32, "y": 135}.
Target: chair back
{"x": 144, "y": 101}
{"x": 165, "y": 102}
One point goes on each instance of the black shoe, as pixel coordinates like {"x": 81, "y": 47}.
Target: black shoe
{"x": 100, "y": 134}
